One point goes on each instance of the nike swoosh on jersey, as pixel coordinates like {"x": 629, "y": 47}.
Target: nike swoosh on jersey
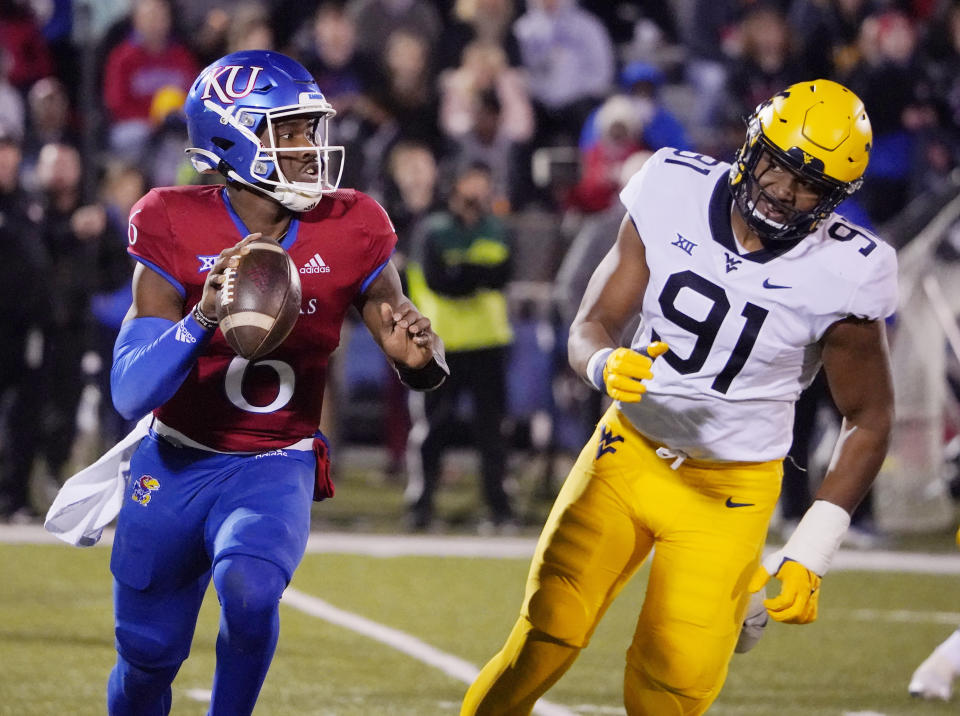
{"x": 731, "y": 503}
{"x": 767, "y": 284}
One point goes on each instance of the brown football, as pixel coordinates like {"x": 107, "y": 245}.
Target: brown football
{"x": 259, "y": 301}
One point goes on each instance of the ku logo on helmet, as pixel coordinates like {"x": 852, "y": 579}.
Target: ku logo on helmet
{"x": 226, "y": 93}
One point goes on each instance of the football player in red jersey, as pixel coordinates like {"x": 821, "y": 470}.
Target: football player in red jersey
{"x": 222, "y": 485}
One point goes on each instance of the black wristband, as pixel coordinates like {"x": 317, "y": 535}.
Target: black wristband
{"x": 429, "y": 377}
{"x": 207, "y": 324}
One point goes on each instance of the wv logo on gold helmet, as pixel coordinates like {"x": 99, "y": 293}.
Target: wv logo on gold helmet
{"x": 819, "y": 130}
{"x": 144, "y": 488}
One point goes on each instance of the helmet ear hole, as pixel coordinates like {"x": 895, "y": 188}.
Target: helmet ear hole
{"x": 222, "y": 143}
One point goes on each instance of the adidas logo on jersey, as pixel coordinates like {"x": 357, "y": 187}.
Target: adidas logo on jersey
{"x": 183, "y": 335}
{"x": 315, "y": 265}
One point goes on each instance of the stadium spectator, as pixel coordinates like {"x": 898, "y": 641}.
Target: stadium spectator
{"x": 764, "y": 62}
{"x": 620, "y": 17}
{"x": 688, "y": 460}
{"x": 22, "y": 302}
{"x": 706, "y": 69}
{"x": 12, "y": 114}
{"x": 86, "y": 257}
{"x": 56, "y": 20}
{"x": 827, "y": 34}
{"x": 641, "y": 82}
{"x": 940, "y": 153}
{"x": 569, "y": 59}
{"x": 249, "y": 27}
{"x": 376, "y": 20}
{"x": 411, "y": 191}
{"x": 220, "y": 489}
{"x": 149, "y": 59}
{"x": 25, "y": 304}
{"x": 485, "y": 110}
{"x": 484, "y": 68}
{"x": 487, "y": 143}
{"x": 891, "y": 79}
{"x": 23, "y": 44}
{"x": 373, "y": 136}
{"x": 411, "y": 90}
{"x": 164, "y": 159}
{"x": 460, "y": 264}
{"x": 211, "y": 22}
{"x": 619, "y": 129}
{"x": 485, "y": 21}
{"x": 410, "y": 195}
{"x": 328, "y": 48}
{"x": 120, "y": 188}
{"x": 50, "y": 118}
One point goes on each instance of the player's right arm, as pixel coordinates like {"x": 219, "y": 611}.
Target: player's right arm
{"x": 614, "y": 296}
{"x": 157, "y": 345}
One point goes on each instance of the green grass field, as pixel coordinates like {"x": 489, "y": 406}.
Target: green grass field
{"x": 56, "y": 641}
{"x": 56, "y": 645}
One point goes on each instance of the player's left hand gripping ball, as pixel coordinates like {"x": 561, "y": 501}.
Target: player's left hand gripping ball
{"x": 625, "y": 370}
{"x": 799, "y": 597}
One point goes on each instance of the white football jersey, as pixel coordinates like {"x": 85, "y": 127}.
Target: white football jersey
{"x": 743, "y": 328}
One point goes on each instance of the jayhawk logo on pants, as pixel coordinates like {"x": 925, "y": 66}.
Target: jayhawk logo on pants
{"x": 144, "y": 488}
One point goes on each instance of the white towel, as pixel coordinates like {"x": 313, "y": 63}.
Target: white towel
{"x": 90, "y": 500}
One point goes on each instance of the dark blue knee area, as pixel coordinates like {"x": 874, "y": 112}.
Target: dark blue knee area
{"x": 151, "y": 650}
{"x": 248, "y": 587}
{"x": 154, "y": 630}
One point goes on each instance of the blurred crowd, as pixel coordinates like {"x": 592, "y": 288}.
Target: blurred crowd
{"x": 561, "y": 99}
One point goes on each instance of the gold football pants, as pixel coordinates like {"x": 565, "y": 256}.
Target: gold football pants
{"x": 708, "y": 522}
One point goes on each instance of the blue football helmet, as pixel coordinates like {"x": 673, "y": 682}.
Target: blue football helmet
{"x": 232, "y": 110}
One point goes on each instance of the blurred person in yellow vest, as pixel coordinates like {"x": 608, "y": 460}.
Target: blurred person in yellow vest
{"x": 460, "y": 264}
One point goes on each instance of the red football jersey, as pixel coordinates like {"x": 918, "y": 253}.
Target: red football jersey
{"x": 227, "y": 402}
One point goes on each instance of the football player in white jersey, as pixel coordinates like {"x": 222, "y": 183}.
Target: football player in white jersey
{"x": 753, "y": 282}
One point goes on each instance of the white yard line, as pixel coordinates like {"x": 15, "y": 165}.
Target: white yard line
{"x": 902, "y": 616}
{"x": 393, "y": 545}
{"x": 202, "y": 695}
{"x": 401, "y": 641}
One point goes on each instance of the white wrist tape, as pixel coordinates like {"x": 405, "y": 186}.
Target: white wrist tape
{"x": 815, "y": 541}
{"x": 595, "y": 368}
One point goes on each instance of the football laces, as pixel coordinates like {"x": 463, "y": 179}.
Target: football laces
{"x": 228, "y": 286}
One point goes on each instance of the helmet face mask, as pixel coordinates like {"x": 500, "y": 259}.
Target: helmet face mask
{"x": 303, "y": 165}
{"x": 816, "y": 133}
{"x": 773, "y": 218}
{"x": 233, "y": 112}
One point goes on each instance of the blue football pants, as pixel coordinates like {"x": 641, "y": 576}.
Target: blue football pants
{"x": 190, "y": 515}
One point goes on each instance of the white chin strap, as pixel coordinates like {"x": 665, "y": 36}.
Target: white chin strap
{"x": 293, "y": 200}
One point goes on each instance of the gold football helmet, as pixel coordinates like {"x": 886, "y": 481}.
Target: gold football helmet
{"x": 820, "y": 131}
